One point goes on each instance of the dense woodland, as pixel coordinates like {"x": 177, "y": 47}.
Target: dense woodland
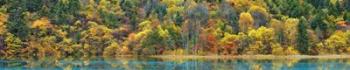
{"x": 174, "y": 27}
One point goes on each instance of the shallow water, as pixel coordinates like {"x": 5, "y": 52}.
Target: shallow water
{"x": 146, "y": 63}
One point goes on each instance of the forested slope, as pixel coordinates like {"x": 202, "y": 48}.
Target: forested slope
{"x": 174, "y": 27}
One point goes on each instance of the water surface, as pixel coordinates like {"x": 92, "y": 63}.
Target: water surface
{"x": 148, "y": 63}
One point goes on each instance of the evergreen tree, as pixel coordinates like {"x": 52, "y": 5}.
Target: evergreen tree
{"x": 34, "y": 5}
{"x": 16, "y": 23}
{"x": 347, "y": 16}
{"x": 347, "y": 4}
{"x": 318, "y": 23}
{"x": 302, "y": 37}
{"x": 178, "y": 19}
{"x": 161, "y": 11}
{"x": 2, "y": 2}
{"x": 229, "y": 14}
{"x": 319, "y": 3}
{"x": 130, "y": 9}
{"x": 64, "y": 12}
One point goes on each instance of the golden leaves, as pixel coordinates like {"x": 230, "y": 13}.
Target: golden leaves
{"x": 275, "y": 24}
{"x": 42, "y": 23}
{"x": 172, "y": 3}
{"x": 173, "y": 6}
{"x": 333, "y": 2}
{"x": 3, "y": 19}
{"x": 12, "y": 41}
{"x": 290, "y": 29}
{"x": 13, "y": 44}
{"x": 172, "y": 10}
{"x": 145, "y": 25}
{"x": 228, "y": 39}
{"x": 97, "y": 32}
{"x": 142, "y": 34}
{"x": 342, "y": 23}
{"x": 163, "y": 32}
{"x": 146, "y": 28}
{"x": 262, "y": 33}
{"x": 338, "y": 42}
{"x": 245, "y": 21}
{"x": 259, "y": 9}
{"x": 338, "y": 39}
{"x": 239, "y": 3}
{"x": 111, "y": 49}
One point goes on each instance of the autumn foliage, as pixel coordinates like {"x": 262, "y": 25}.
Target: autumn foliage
{"x": 173, "y": 27}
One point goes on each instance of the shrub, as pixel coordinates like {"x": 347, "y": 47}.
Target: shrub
{"x": 13, "y": 45}
{"x": 229, "y": 44}
{"x": 112, "y": 49}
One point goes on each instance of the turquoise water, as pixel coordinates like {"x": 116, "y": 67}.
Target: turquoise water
{"x": 145, "y": 63}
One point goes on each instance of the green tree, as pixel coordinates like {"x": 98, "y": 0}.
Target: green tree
{"x": 336, "y": 8}
{"x": 346, "y": 4}
{"x": 178, "y": 19}
{"x": 110, "y": 19}
{"x": 16, "y": 23}
{"x": 319, "y": 3}
{"x": 229, "y": 14}
{"x": 302, "y": 37}
{"x": 161, "y": 11}
{"x": 130, "y": 9}
{"x": 64, "y": 11}
{"x": 347, "y": 16}
{"x": 108, "y": 11}
{"x": 3, "y": 2}
{"x": 318, "y": 24}
{"x": 34, "y": 5}
{"x": 292, "y": 8}
{"x": 97, "y": 36}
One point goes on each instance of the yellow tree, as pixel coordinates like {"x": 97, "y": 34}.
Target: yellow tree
{"x": 134, "y": 40}
{"x": 3, "y": 19}
{"x": 40, "y": 43}
{"x": 240, "y": 4}
{"x": 13, "y": 45}
{"x": 173, "y": 6}
{"x": 3, "y": 30}
{"x": 229, "y": 44}
{"x": 263, "y": 38}
{"x": 91, "y": 11}
{"x": 290, "y": 30}
{"x": 98, "y": 36}
{"x": 336, "y": 44}
{"x": 259, "y": 9}
{"x": 260, "y": 15}
{"x": 42, "y": 47}
{"x": 245, "y": 22}
{"x": 42, "y": 23}
{"x": 112, "y": 49}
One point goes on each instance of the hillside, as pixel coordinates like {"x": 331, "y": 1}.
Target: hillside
{"x": 174, "y": 27}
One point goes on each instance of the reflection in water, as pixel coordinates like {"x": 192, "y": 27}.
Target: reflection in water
{"x": 143, "y": 63}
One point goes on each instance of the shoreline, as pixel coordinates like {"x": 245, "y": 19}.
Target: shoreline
{"x": 253, "y": 57}
{"x": 250, "y": 56}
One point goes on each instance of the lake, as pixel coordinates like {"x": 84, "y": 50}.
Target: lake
{"x": 150, "y": 63}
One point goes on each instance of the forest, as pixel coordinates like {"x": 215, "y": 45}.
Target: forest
{"x": 173, "y": 27}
